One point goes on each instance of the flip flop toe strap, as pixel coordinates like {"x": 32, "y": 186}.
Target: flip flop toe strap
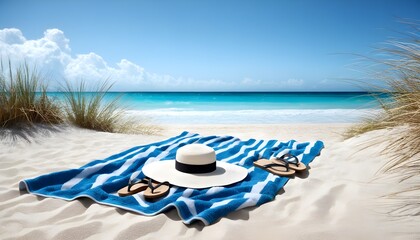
{"x": 132, "y": 183}
{"x": 286, "y": 158}
{"x": 150, "y": 184}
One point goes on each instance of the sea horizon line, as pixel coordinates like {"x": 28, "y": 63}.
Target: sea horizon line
{"x": 294, "y": 92}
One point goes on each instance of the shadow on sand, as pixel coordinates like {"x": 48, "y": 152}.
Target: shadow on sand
{"x": 27, "y": 132}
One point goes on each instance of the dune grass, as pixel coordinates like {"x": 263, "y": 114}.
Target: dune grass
{"x": 24, "y": 102}
{"x": 87, "y": 108}
{"x": 400, "y": 75}
{"x": 402, "y": 83}
{"x": 23, "y": 98}
{"x": 86, "y": 111}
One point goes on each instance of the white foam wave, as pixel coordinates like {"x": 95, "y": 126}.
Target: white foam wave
{"x": 182, "y": 116}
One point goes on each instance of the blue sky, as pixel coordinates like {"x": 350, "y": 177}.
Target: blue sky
{"x": 201, "y": 45}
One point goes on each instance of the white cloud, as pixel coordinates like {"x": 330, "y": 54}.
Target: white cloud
{"x": 86, "y": 66}
{"x": 292, "y": 82}
{"x": 57, "y": 36}
{"x": 11, "y": 36}
{"x": 248, "y": 81}
{"x": 52, "y": 54}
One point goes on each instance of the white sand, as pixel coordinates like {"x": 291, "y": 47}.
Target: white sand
{"x": 337, "y": 200}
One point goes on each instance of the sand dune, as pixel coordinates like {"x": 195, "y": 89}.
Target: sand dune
{"x": 336, "y": 200}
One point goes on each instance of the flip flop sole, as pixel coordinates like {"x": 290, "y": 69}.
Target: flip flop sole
{"x": 277, "y": 170}
{"x": 136, "y": 188}
{"x": 301, "y": 166}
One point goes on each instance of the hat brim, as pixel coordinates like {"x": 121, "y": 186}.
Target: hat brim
{"x": 225, "y": 174}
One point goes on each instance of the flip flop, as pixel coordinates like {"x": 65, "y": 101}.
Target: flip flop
{"x": 156, "y": 189}
{"x": 134, "y": 188}
{"x": 294, "y": 164}
{"x": 274, "y": 168}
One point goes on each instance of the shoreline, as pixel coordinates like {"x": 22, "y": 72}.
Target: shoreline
{"x": 283, "y": 132}
{"x": 256, "y": 116}
{"x": 337, "y": 197}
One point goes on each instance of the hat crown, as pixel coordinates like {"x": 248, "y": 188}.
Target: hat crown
{"x": 196, "y": 154}
{"x": 195, "y": 166}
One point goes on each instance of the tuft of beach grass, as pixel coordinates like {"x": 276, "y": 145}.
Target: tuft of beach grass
{"x": 23, "y": 98}
{"x": 24, "y": 102}
{"x": 87, "y": 108}
{"x": 400, "y": 78}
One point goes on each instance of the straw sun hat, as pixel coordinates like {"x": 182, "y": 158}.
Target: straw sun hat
{"x": 195, "y": 166}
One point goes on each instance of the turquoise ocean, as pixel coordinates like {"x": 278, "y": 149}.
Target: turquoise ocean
{"x": 247, "y": 107}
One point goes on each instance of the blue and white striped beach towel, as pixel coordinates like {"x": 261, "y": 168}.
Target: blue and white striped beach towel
{"x": 101, "y": 179}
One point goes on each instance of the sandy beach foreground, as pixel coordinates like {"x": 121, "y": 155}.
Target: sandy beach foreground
{"x": 339, "y": 199}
